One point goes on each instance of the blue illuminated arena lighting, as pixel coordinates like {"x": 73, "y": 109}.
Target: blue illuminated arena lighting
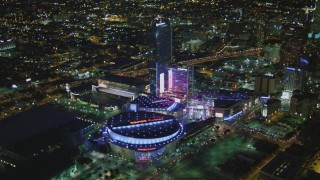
{"x": 136, "y": 130}
{"x": 140, "y": 141}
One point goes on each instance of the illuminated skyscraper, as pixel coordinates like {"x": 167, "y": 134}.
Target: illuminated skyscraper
{"x": 161, "y": 48}
{"x": 315, "y": 20}
{"x": 315, "y": 27}
{"x": 294, "y": 80}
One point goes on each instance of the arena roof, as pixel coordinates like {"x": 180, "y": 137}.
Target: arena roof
{"x": 32, "y": 122}
{"x": 143, "y": 128}
{"x": 155, "y": 102}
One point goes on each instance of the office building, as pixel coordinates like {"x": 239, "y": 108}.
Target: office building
{"x": 270, "y": 107}
{"x": 161, "y": 49}
{"x": 175, "y": 82}
{"x": 294, "y": 80}
{"x": 300, "y": 104}
{"x": 315, "y": 26}
{"x": 265, "y": 84}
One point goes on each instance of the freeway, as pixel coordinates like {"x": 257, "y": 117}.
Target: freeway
{"x": 217, "y": 57}
{"x": 144, "y": 70}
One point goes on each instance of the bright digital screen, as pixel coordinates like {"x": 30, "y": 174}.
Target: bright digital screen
{"x": 161, "y": 83}
{"x": 265, "y": 112}
{"x": 102, "y": 83}
{"x": 219, "y": 115}
{"x": 170, "y": 78}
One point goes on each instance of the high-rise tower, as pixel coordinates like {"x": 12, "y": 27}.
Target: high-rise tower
{"x": 161, "y": 48}
{"x": 315, "y": 26}
{"x": 294, "y": 80}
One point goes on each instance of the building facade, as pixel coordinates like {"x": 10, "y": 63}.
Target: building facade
{"x": 265, "y": 84}
{"x": 161, "y": 49}
{"x": 270, "y": 107}
{"x": 294, "y": 80}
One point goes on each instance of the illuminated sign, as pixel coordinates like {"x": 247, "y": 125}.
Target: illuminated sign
{"x": 170, "y": 78}
{"x": 160, "y": 24}
{"x": 219, "y": 115}
{"x": 146, "y": 120}
{"x": 102, "y": 83}
{"x": 265, "y": 112}
{"x": 147, "y": 149}
{"x": 182, "y": 69}
{"x": 268, "y": 74}
{"x": 292, "y": 69}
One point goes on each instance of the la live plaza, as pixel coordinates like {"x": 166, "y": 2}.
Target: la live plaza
{"x": 159, "y": 89}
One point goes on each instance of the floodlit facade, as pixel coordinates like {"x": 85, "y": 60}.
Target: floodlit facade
{"x": 202, "y": 107}
{"x": 175, "y": 82}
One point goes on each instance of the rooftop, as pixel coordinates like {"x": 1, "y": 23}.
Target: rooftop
{"x": 32, "y": 122}
{"x": 124, "y": 80}
{"x": 224, "y": 103}
{"x": 140, "y": 117}
{"x": 131, "y": 127}
{"x": 272, "y": 101}
{"x": 153, "y": 102}
{"x": 283, "y": 166}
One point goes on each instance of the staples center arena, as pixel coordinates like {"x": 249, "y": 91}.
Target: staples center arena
{"x": 143, "y": 135}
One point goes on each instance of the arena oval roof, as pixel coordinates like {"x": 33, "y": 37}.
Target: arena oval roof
{"x": 135, "y": 130}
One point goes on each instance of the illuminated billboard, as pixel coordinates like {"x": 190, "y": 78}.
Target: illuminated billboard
{"x": 174, "y": 82}
{"x": 179, "y": 80}
{"x": 102, "y": 83}
{"x": 265, "y": 111}
{"x": 219, "y": 115}
{"x": 162, "y": 83}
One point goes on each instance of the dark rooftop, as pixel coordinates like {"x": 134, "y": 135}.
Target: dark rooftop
{"x": 224, "y": 103}
{"x": 283, "y": 166}
{"x": 124, "y": 80}
{"x": 104, "y": 99}
{"x": 272, "y": 101}
{"x": 32, "y": 122}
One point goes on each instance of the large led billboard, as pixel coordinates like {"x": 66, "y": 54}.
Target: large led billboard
{"x": 174, "y": 82}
